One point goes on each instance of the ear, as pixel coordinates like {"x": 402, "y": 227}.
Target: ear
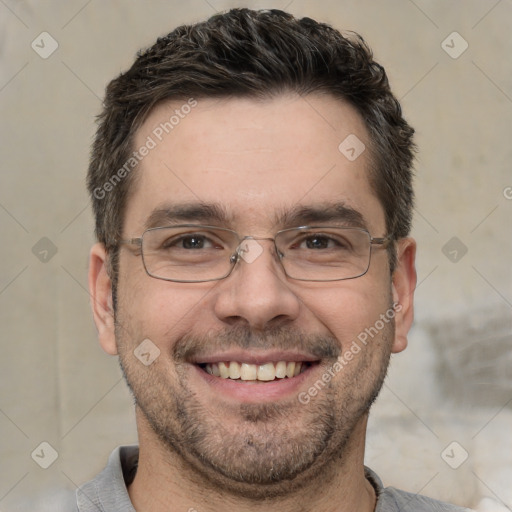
{"x": 100, "y": 289}
{"x": 403, "y": 286}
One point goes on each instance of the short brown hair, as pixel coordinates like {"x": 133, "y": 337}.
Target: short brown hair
{"x": 258, "y": 54}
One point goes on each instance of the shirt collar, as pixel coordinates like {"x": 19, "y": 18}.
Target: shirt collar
{"x": 108, "y": 491}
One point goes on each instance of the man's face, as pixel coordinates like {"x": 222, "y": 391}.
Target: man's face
{"x": 260, "y": 167}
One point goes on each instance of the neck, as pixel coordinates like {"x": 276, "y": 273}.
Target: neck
{"x": 165, "y": 482}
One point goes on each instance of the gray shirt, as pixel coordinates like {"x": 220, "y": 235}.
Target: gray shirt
{"x": 108, "y": 493}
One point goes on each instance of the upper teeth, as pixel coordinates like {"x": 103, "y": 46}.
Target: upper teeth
{"x": 246, "y": 371}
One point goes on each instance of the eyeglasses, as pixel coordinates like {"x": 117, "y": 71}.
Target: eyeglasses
{"x": 191, "y": 253}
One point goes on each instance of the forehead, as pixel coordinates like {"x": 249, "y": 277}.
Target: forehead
{"x": 254, "y": 160}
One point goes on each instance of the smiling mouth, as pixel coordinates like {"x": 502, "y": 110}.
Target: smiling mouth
{"x": 266, "y": 372}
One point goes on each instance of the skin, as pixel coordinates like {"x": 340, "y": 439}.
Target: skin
{"x": 215, "y": 448}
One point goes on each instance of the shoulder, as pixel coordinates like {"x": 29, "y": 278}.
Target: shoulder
{"x": 391, "y": 499}
{"x": 108, "y": 490}
{"x": 51, "y": 501}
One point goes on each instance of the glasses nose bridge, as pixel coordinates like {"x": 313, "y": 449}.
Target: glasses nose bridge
{"x": 241, "y": 249}
{"x": 251, "y": 237}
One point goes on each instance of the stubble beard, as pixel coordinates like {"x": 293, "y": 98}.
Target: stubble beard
{"x": 270, "y": 450}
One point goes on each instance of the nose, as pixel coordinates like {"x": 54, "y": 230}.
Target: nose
{"x": 257, "y": 291}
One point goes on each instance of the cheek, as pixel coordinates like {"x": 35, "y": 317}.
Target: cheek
{"x": 158, "y": 310}
{"x": 347, "y": 308}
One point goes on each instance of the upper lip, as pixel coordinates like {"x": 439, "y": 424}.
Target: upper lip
{"x": 254, "y": 357}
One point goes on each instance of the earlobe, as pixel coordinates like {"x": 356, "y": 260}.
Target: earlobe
{"x": 100, "y": 289}
{"x": 403, "y": 286}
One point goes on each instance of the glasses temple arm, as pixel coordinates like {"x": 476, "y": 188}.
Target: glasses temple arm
{"x": 132, "y": 241}
{"x": 381, "y": 241}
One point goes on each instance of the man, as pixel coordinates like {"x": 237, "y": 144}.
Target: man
{"x": 251, "y": 184}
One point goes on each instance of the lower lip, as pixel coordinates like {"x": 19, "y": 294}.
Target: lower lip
{"x": 255, "y": 391}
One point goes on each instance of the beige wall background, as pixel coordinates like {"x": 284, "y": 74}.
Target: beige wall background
{"x": 448, "y": 397}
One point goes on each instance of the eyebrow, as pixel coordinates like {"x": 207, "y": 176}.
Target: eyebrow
{"x": 187, "y": 212}
{"x": 214, "y": 213}
{"x": 339, "y": 213}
